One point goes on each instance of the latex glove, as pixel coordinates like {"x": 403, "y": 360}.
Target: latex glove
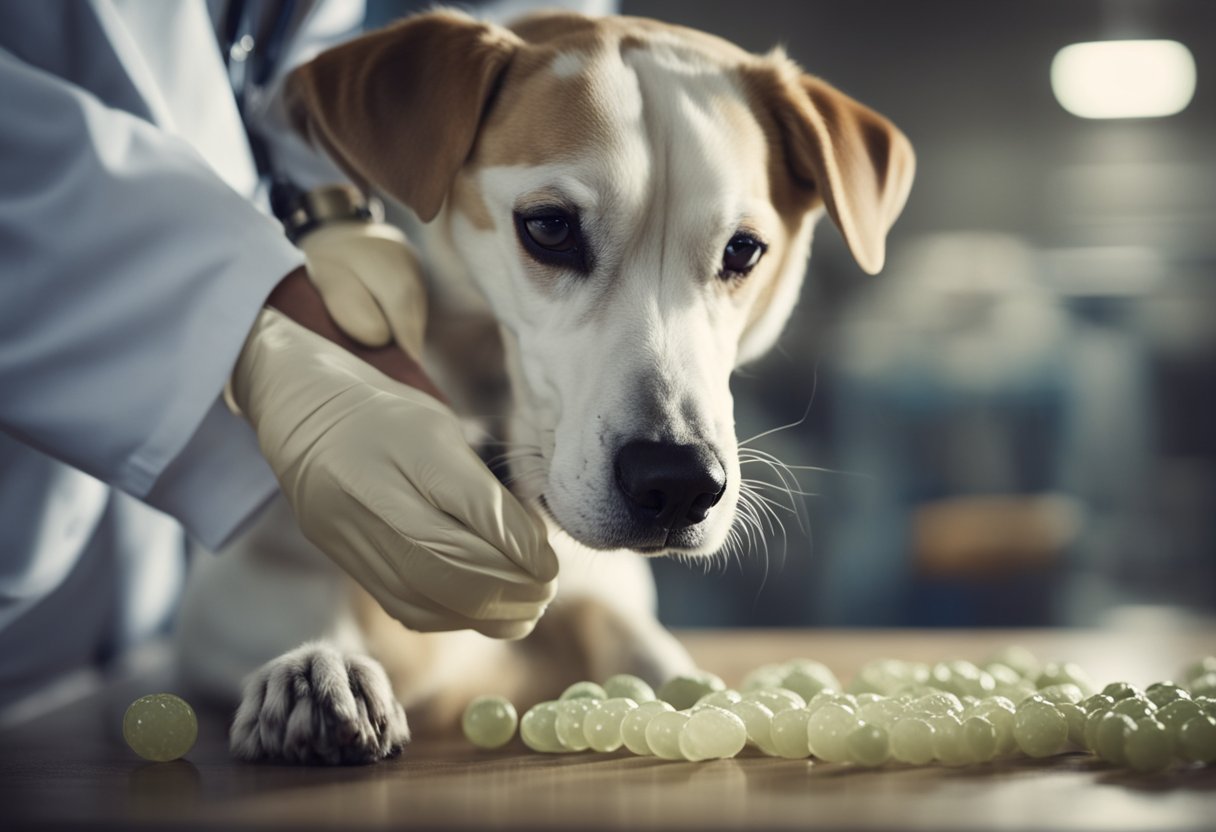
{"x": 371, "y": 282}
{"x": 381, "y": 479}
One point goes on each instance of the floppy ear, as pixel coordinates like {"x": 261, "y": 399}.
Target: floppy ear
{"x": 400, "y": 108}
{"x": 859, "y": 161}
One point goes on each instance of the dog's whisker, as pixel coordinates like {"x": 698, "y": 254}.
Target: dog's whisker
{"x": 785, "y": 475}
{"x": 744, "y": 443}
{"x": 775, "y": 503}
{"x": 805, "y": 413}
{"x": 785, "y": 490}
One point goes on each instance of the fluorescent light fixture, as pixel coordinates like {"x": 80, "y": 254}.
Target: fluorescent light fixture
{"x": 1124, "y": 78}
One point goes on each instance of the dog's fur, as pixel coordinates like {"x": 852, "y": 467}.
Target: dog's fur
{"x": 664, "y": 142}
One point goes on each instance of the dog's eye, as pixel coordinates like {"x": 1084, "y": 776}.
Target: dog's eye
{"x": 552, "y": 233}
{"x": 741, "y": 255}
{"x": 552, "y": 236}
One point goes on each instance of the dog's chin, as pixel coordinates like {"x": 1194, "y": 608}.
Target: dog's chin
{"x": 649, "y": 542}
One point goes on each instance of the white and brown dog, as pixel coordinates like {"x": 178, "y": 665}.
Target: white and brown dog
{"x": 630, "y": 205}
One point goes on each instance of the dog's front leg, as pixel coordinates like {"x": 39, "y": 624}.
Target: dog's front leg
{"x": 606, "y": 609}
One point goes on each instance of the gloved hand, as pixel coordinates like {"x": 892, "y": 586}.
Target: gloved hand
{"x": 371, "y": 282}
{"x": 381, "y": 479}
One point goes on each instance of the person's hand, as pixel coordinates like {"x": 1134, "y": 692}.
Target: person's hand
{"x": 381, "y": 479}
{"x": 371, "y": 282}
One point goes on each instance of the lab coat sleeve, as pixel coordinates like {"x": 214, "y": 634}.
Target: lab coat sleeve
{"x": 130, "y": 275}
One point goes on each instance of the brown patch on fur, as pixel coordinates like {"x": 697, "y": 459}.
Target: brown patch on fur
{"x": 859, "y": 163}
{"x": 374, "y": 102}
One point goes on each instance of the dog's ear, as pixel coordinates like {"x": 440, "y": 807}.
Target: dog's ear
{"x": 860, "y": 163}
{"x": 400, "y": 108}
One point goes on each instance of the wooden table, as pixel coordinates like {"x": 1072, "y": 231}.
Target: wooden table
{"x": 71, "y": 768}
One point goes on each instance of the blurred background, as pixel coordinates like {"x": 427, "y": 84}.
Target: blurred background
{"x": 1015, "y": 424}
{"x": 1016, "y": 421}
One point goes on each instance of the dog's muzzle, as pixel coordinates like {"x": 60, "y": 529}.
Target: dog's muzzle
{"x": 668, "y": 486}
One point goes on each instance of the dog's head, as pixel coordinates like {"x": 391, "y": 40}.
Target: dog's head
{"x": 636, "y": 202}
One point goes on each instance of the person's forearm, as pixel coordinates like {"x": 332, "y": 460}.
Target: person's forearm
{"x": 298, "y": 299}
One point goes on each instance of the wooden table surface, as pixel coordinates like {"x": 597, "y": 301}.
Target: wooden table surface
{"x": 71, "y": 767}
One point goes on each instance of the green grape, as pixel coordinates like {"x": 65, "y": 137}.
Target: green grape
{"x": 885, "y": 676}
{"x": 864, "y": 699}
{"x": 489, "y": 722}
{"x": 538, "y": 728}
{"x": 1016, "y": 693}
{"x": 160, "y": 727}
{"x": 625, "y": 686}
{"x": 831, "y": 697}
{"x": 583, "y": 690}
{"x": 633, "y": 726}
{"x": 1002, "y": 674}
{"x": 1204, "y": 685}
{"x": 1207, "y": 704}
{"x": 804, "y": 684}
{"x": 980, "y": 738}
{"x": 961, "y": 678}
{"x": 1120, "y": 690}
{"x": 884, "y": 712}
{"x": 1197, "y": 740}
{"x": 795, "y": 699}
{"x": 1113, "y": 729}
{"x": 762, "y": 678}
{"x": 712, "y": 733}
{"x": 868, "y": 745}
{"x": 602, "y": 725}
{"x": 1074, "y": 715}
{"x": 913, "y": 690}
{"x": 758, "y": 720}
{"x": 773, "y": 700}
{"x": 1197, "y": 668}
{"x": 1163, "y": 693}
{"x": 1099, "y": 701}
{"x": 682, "y": 692}
{"x": 1039, "y": 729}
{"x": 571, "y": 713}
{"x": 1021, "y": 660}
{"x": 939, "y": 702}
{"x": 806, "y": 678}
{"x": 948, "y": 745}
{"x": 1059, "y": 694}
{"x": 1175, "y": 713}
{"x": 789, "y": 733}
{"x": 1147, "y": 747}
{"x": 912, "y": 741}
{"x": 828, "y": 730}
{"x": 1092, "y": 721}
{"x": 663, "y": 734}
{"x": 1135, "y": 707}
{"x": 999, "y": 711}
{"x": 1056, "y": 673}
{"x": 719, "y": 698}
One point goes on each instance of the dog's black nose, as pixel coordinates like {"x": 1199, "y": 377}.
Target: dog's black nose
{"x": 669, "y": 485}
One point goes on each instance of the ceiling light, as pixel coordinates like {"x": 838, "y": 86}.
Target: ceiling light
{"x": 1124, "y": 78}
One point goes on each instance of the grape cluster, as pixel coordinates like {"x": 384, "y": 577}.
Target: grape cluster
{"x": 955, "y": 713}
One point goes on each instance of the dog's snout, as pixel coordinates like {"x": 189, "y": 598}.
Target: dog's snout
{"x": 669, "y": 485}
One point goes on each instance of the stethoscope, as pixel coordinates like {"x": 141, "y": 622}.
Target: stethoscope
{"x": 251, "y": 43}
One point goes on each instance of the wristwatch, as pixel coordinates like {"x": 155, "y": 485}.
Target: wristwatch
{"x": 304, "y": 211}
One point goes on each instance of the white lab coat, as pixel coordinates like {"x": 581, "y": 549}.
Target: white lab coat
{"x": 133, "y": 259}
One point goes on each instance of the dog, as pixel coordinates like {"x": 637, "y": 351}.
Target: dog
{"x": 614, "y": 214}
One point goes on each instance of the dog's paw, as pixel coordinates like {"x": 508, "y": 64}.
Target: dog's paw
{"x": 319, "y": 705}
